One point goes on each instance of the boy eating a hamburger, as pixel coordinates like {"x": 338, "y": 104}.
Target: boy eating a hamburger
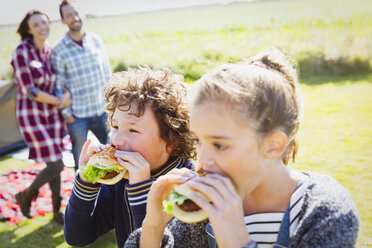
{"x": 150, "y": 136}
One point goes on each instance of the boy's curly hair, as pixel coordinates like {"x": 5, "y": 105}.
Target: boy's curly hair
{"x": 162, "y": 90}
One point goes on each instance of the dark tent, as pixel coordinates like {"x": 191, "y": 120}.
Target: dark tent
{"x": 10, "y": 137}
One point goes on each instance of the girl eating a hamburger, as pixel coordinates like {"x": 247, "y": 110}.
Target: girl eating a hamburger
{"x": 244, "y": 118}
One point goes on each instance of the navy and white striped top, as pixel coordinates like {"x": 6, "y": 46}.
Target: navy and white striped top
{"x": 264, "y": 227}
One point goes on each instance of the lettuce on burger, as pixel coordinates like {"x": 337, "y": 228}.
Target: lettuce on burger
{"x": 182, "y": 207}
{"x": 104, "y": 168}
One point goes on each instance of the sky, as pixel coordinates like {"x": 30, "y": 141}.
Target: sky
{"x": 14, "y": 10}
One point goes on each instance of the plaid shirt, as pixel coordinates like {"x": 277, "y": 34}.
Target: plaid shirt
{"x": 41, "y": 124}
{"x": 84, "y": 70}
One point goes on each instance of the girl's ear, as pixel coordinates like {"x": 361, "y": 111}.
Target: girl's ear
{"x": 274, "y": 145}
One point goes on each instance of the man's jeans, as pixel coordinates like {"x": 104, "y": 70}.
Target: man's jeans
{"x": 78, "y": 131}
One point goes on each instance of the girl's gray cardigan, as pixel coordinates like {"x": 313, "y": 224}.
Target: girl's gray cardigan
{"x": 328, "y": 219}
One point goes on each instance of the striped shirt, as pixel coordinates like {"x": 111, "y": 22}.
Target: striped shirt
{"x": 93, "y": 209}
{"x": 264, "y": 227}
{"x": 84, "y": 70}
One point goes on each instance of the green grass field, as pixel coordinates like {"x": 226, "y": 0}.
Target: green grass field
{"x": 332, "y": 36}
{"x": 331, "y": 40}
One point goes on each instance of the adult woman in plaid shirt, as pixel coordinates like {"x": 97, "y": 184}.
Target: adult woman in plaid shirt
{"x": 39, "y": 119}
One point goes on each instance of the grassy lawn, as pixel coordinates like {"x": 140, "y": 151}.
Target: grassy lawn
{"x": 332, "y": 35}
{"x": 42, "y": 232}
{"x": 336, "y": 139}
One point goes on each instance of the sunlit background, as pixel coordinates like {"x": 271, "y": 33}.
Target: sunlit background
{"x": 331, "y": 40}
{"x": 14, "y": 10}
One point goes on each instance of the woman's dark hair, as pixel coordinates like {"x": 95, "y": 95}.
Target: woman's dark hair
{"x": 23, "y": 27}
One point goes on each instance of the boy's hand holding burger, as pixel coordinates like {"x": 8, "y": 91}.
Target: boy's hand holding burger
{"x": 107, "y": 165}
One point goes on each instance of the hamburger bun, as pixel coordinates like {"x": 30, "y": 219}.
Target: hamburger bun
{"x": 188, "y": 216}
{"x": 106, "y": 158}
{"x": 115, "y": 179}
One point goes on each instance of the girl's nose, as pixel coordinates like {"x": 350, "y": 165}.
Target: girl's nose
{"x": 203, "y": 156}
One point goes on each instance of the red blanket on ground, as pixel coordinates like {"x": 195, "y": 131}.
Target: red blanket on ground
{"x": 15, "y": 181}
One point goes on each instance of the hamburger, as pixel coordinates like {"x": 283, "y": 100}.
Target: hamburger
{"x": 182, "y": 207}
{"x": 104, "y": 168}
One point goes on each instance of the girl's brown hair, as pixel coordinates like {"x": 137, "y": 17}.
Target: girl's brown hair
{"x": 262, "y": 90}
{"x": 165, "y": 93}
{"x": 23, "y": 27}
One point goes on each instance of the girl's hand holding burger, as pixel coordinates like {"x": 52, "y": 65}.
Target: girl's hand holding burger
{"x": 156, "y": 219}
{"x": 225, "y": 209}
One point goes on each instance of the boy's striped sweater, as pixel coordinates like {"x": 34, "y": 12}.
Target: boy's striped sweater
{"x": 95, "y": 209}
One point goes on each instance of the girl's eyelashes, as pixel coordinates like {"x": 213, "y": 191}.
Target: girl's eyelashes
{"x": 216, "y": 145}
{"x": 115, "y": 127}
{"x": 133, "y": 130}
{"x": 219, "y": 146}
